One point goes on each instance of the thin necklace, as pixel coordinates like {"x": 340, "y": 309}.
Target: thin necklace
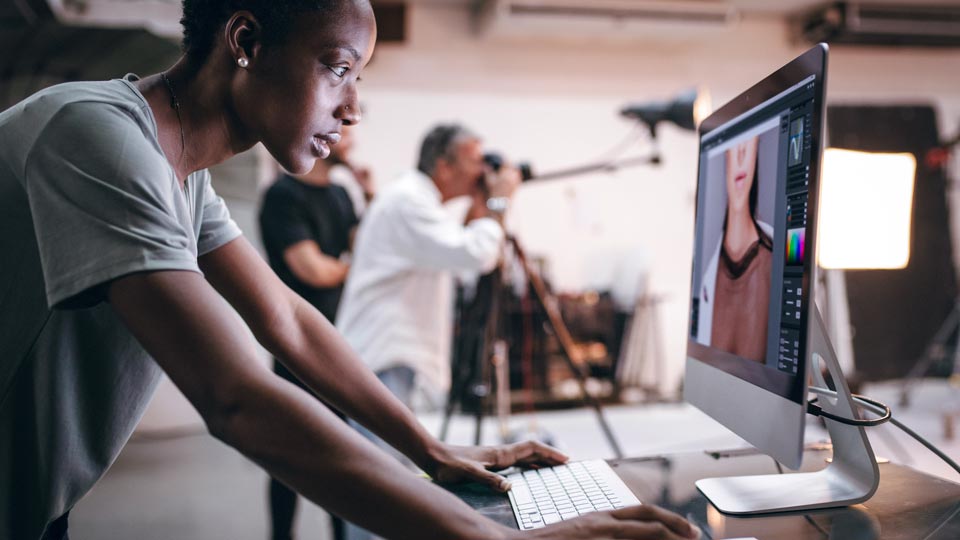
{"x": 176, "y": 107}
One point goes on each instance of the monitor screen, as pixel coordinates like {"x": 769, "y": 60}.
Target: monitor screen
{"x": 753, "y": 245}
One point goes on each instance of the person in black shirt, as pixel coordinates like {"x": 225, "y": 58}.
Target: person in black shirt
{"x": 307, "y": 223}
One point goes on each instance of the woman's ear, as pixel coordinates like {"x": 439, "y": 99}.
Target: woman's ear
{"x": 244, "y": 36}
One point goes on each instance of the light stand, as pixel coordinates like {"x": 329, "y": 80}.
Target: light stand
{"x": 603, "y": 166}
{"x": 685, "y": 110}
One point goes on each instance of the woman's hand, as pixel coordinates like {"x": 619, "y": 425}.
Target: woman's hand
{"x": 477, "y": 463}
{"x": 643, "y": 522}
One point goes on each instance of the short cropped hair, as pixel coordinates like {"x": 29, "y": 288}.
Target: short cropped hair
{"x": 203, "y": 19}
{"x": 441, "y": 142}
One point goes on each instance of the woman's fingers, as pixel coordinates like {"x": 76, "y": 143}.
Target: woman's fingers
{"x": 532, "y": 453}
{"x": 652, "y": 513}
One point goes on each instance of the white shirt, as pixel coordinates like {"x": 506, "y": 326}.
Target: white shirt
{"x": 397, "y": 305}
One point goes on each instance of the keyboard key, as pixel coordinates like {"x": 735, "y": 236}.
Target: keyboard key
{"x": 522, "y": 497}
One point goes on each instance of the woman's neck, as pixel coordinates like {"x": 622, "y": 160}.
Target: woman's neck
{"x": 206, "y": 131}
{"x": 740, "y": 234}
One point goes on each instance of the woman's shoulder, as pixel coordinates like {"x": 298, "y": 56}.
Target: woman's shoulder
{"x": 97, "y": 113}
{"x": 88, "y": 96}
{"x": 100, "y": 112}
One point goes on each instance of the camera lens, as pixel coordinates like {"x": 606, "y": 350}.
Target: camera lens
{"x": 494, "y": 160}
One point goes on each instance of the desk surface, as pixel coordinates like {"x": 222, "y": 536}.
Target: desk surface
{"x": 909, "y": 505}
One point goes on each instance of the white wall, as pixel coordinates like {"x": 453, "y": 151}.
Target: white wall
{"x": 554, "y": 102}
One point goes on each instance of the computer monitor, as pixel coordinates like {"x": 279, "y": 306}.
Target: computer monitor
{"x": 754, "y": 330}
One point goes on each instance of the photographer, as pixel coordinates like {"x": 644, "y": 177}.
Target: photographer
{"x": 396, "y": 309}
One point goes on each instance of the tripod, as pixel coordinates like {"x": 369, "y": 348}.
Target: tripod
{"x": 483, "y": 347}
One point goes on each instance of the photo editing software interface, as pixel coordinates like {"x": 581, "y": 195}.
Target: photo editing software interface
{"x": 751, "y": 269}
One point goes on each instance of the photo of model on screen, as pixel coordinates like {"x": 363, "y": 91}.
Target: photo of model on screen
{"x": 735, "y": 289}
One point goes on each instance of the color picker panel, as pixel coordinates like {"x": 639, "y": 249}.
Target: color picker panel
{"x": 796, "y": 242}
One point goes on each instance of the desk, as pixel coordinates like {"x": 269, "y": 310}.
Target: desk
{"x": 909, "y": 505}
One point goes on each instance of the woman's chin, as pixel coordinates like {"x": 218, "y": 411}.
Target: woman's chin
{"x": 299, "y": 164}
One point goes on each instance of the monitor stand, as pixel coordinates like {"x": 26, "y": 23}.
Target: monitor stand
{"x": 852, "y": 477}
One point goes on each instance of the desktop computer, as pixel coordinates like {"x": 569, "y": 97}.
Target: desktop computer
{"x": 755, "y": 335}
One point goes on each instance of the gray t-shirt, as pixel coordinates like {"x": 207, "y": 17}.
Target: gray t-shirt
{"x": 86, "y": 196}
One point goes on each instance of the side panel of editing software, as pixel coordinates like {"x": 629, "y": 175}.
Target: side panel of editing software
{"x": 794, "y": 127}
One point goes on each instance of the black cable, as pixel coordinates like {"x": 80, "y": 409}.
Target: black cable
{"x": 927, "y": 444}
{"x": 886, "y": 415}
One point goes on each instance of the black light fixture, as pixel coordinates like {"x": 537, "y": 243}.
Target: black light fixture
{"x": 686, "y": 110}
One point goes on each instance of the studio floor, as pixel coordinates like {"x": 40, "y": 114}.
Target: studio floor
{"x": 190, "y": 486}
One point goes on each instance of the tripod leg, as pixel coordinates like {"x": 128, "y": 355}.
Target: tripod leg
{"x": 549, "y": 304}
{"x": 488, "y": 355}
{"x": 458, "y": 389}
{"x": 933, "y": 352}
{"x": 463, "y": 374}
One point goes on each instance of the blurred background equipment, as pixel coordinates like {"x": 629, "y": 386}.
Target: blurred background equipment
{"x": 856, "y": 188}
{"x": 483, "y": 338}
{"x": 942, "y": 352}
{"x": 891, "y": 24}
{"x": 895, "y": 313}
{"x": 686, "y": 110}
{"x": 602, "y": 19}
{"x": 640, "y": 364}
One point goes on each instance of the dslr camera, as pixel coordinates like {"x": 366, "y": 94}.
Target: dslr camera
{"x": 495, "y": 161}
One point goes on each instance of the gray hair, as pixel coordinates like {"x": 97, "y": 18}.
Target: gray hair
{"x": 441, "y": 142}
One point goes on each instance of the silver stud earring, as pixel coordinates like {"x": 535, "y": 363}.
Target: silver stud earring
{"x": 243, "y": 62}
